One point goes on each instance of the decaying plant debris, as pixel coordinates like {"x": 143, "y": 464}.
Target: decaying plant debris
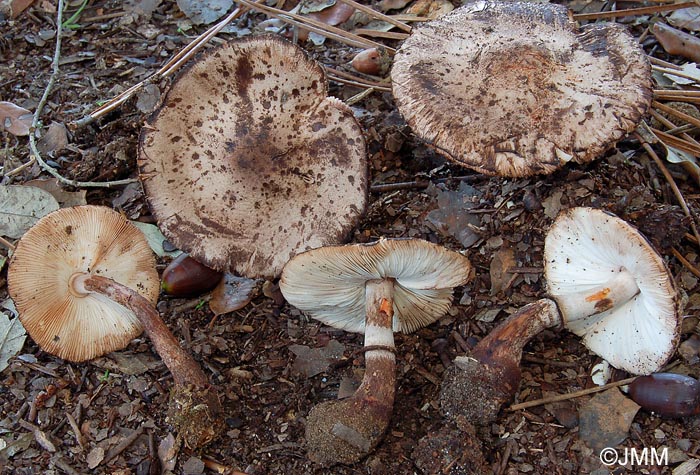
{"x": 106, "y": 416}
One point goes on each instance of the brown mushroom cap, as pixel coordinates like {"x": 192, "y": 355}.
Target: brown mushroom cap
{"x": 83, "y": 239}
{"x": 248, "y": 162}
{"x": 516, "y": 88}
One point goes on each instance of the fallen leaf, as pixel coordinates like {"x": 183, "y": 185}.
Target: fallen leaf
{"x": 605, "y": 420}
{"x": 21, "y": 207}
{"x": 686, "y": 18}
{"x": 155, "y": 239}
{"x": 148, "y": 99}
{"x": 502, "y": 260}
{"x": 312, "y": 361}
{"x": 204, "y": 12}
{"x": 452, "y": 216}
{"x": 12, "y": 337}
{"x": 552, "y": 204}
{"x": 167, "y": 453}
{"x": 689, "y": 69}
{"x": 65, "y": 198}
{"x": 231, "y": 294}
{"x": 54, "y": 139}
{"x": 193, "y": 466}
{"x": 15, "y": 119}
{"x": 95, "y": 457}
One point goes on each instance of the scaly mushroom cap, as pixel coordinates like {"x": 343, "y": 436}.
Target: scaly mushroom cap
{"x": 516, "y": 88}
{"x": 248, "y": 162}
{"x": 586, "y": 248}
{"x": 329, "y": 282}
{"x": 83, "y": 239}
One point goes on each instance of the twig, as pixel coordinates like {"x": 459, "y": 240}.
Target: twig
{"x": 378, "y": 15}
{"x": 633, "y": 11}
{"x": 167, "y": 69}
{"x": 565, "y": 397}
{"x": 676, "y": 142}
{"x": 123, "y": 445}
{"x": 390, "y": 35}
{"x": 7, "y": 244}
{"x": 671, "y": 182}
{"x": 418, "y": 184}
{"x": 673, "y": 72}
{"x": 35, "y": 121}
{"x": 76, "y": 430}
{"x": 219, "y": 468}
{"x": 685, "y": 262}
{"x": 316, "y": 26}
{"x": 676, "y": 113}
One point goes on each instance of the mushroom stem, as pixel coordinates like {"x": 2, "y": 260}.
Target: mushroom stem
{"x": 194, "y": 409}
{"x": 619, "y": 289}
{"x": 476, "y": 387}
{"x": 344, "y": 431}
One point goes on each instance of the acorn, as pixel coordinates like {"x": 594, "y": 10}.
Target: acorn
{"x": 186, "y": 277}
{"x": 667, "y": 394}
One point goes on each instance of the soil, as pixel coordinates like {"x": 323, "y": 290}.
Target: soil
{"x": 107, "y": 416}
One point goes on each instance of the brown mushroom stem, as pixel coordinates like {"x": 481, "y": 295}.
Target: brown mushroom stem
{"x": 616, "y": 291}
{"x": 344, "y": 431}
{"x": 194, "y": 407}
{"x": 476, "y": 387}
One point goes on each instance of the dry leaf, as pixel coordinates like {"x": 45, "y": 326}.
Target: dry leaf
{"x": 605, "y": 420}
{"x": 15, "y": 119}
{"x": 21, "y": 207}
{"x": 12, "y": 337}
{"x": 502, "y": 260}
{"x": 312, "y": 361}
{"x": 167, "y": 453}
{"x": 204, "y": 13}
{"x": 95, "y": 457}
{"x": 54, "y": 139}
{"x": 231, "y": 294}
{"x": 677, "y": 42}
{"x": 65, "y": 198}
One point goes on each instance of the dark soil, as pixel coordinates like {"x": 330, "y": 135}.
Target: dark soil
{"x": 246, "y": 353}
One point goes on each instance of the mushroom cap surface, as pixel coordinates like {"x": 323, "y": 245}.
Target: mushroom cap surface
{"x": 329, "y": 282}
{"x": 517, "y": 89}
{"x": 584, "y": 249}
{"x": 82, "y": 239}
{"x": 248, "y": 162}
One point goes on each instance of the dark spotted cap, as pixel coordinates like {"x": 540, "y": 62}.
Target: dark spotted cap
{"x": 518, "y": 89}
{"x": 248, "y": 162}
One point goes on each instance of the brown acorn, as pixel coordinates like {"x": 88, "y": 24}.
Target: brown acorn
{"x": 667, "y": 394}
{"x": 185, "y": 277}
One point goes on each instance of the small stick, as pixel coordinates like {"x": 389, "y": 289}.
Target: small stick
{"x": 7, "y": 244}
{"x": 674, "y": 72}
{"x": 76, "y": 430}
{"x": 378, "y": 15}
{"x": 342, "y": 74}
{"x": 676, "y": 113}
{"x": 418, "y": 184}
{"x": 316, "y": 26}
{"x": 123, "y": 445}
{"x": 671, "y": 181}
{"x": 633, "y": 11}
{"x": 219, "y": 468}
{"x": 676, "y": 142}
{"x": 565, "y": 397}
{"x": 391, "y": 35}
{"x": 685, "y": 262}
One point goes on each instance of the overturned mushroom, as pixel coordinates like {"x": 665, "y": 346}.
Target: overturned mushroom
{"x": 390, "y": 285}
{"x": 517, "y": 88}
{"x": 84, "y": 283}
{"x": 610, "y": 287}
{"x": 248, "y": 162}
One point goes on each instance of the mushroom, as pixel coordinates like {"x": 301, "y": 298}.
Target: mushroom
{"x": 390, "y": 285}
{"x": 85, "y": 284}
{"x": 248, "y": 162}
{"x": 612, "y": 289}
{"x": 608, "y": 286}
{"x": 517, "y": 89}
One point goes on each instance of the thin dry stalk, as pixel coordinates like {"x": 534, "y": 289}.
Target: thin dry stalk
{"x": 390, "y": 35}
{"x": 316, "y": 26}
{"x": 7, "y": 244}
{"x": 676, "y": 142}
{"x": 572, "y": 395}
{"x": 378, "y": 15}
{"x": 674, "y": 72}
{"x": 674, "y": 93}
{"x": 676, "y": 113}
{"x": 694, "y": 270}
{"x": 167, "y": 69}
{"x": 671, "y": 181}
{"x": 634, "y": 11}
{"x": 341, "y": 76}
